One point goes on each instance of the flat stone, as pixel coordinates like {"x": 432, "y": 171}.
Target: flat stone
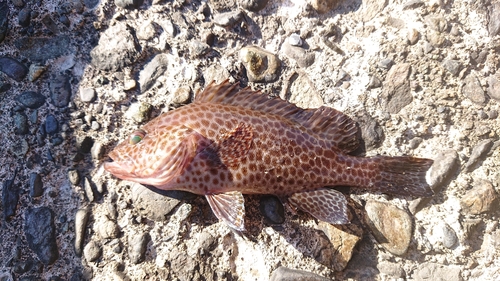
{"x": 344, "y": 239}
{"x": 391, "y": 226}
{"x": 478, "y": 152}
{"x": 36, "y": 185}
{"x": 228, "y": 19}
{"x": 494, "y": 19}
{"x": 494, "y": 87}
{"x": 13, "y": 68}
{"x": 482, "y": 198}
{"x": 151, "y": 204}
{"x": 51, "y": 125}
{"x": 153, "y": 69}
{"x": 396, "y": 90}
{"x": 433, "y": 271}
{"x": 453, "y": 66}
{"x": 10, "y": 197}
{"x": 287, "y": 274}
{"x": 40, "y": 233}
{"x": 137, "y": 247}
{"x": 81, "y": 219}
{"x": 41, "y": 49}
{"x": 261, "y": 65}
{"x": 473, "y": 90}
{"x": 444, "y": 167}
{"x": 60, "y": 90}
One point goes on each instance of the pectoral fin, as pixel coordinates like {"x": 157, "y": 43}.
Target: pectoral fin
{"x": 325, "y": 204}
{"x": 229, "y": 207}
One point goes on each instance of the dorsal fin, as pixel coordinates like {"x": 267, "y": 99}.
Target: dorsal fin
{"x": 328, "y": 123}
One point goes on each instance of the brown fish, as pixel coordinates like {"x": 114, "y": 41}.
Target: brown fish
{"x": 233, "y": 141}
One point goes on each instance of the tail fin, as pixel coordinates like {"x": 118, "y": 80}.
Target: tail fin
{"x": 403, "y": 175}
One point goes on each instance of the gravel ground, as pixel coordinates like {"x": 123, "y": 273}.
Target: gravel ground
{"x": 76, "y": 77}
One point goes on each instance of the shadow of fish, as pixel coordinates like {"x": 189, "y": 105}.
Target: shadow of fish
{"x": 233, "y": 141}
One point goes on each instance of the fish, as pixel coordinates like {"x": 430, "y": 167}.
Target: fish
{"x": 232, "y": 141}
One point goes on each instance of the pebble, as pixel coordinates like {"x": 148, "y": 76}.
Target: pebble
{"x": 88, "y": 95}
{"x": 89, "y": 190}
{"x": 228, "y": 19}
{"x": 473, "y": 90}
{"x": 10, "y": 197}
{"x": 494, "y": 87}
{"x": 73, "y": 177}
{"x": 261, "y": 65}
{"x": 13, "y": 68}
{"x": 36, "y": 185}
{"x": 482, "y": 198}
{"x": 137, "y": 247}
{"x": 151, "y": 204}
{"x": 478, "y": 153}
{"x": 434, "y": 271}
{"x": 81, "y": 219}
{"x": 436, "y": 23}
{"x": 371, "y": 131}
{"x": 181, "y": 95}
{"x": 295, "y": 40}
{"x": 344, "y": 240}
{"x": 40, "y": 233}
{"x": 60, "y": 90}
{"x": 4, "y": 84}
{"x": 391, "y": 269}
{"x": 41, "y": 49}
{"x": 51, "y": 125}
{"x": 35, "y": 71}
{"x": 129, "y": 4}
{"x": 385, "y": 63}
{"x": 64, "y": 20}
{"x": 153, "y": 69}
{"x": 50, "y": 24}
{"x": 4, "y": 20}
{"x": 92, "y": 251}
{"x": 272, "y": 209}
{"x": 298, "y": 54}
{"x": 253, "y": 5}
{"x": 494, "y": 19}
{"x": 198, "y": 48}
{"x": 91, "y": 4}
{"x": 436, "y": 39}
{"x": 139, "y": 112}
{"x": 413, "y": 36}
{"x": 396, "y": 91}
{"x": 391, "y": 226}
{"x": 324, "y": 6}
{"x": 453, "y": 66}
{"x": 374, "y": 83}
{"x": 448, "y": 236}
{"x": 84, "y": 144}
{"x": 20, "y": 122}
{"x": 24, "y": 17}
{"x": 445, "y": 165}
{"x": 106, "y": 228}
{"x": 97, "y": 149}
{"x": 288, "y": 274}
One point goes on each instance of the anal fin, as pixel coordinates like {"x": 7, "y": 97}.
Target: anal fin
{"x": 229, "y": 207}
{"x": 325, "y": 204}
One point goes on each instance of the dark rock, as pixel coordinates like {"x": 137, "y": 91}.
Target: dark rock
{"x": 453, "y": 66}
{"x": 85, "y": 145}
{"x": 4, "y": 20}
{"x": 13, "y": 68}
{"x": 228, "y": 19}
{"x": 154, "y": 69}
{"x": 287, "y": 274}
{"x": 81, "y": 219}
{"x": 151, "y": 204}
{"x": 494, "y": 19}
{"x": 60, "y": 90}
{"x": 129, "y": 4}
{"x": 65, "y": 20}
{"x": 31, "y": 99}
{"x": 372, "y": 133}
{"x": 117, "y": 48}
{"x": 20, "y": 121}
{"x": 137, "y": 247}
{"x": 4, "y": 85}
{"x": 396, "y": 93}
{"x": 87, "y": 94}
{"x": 473, "y": 90}
{"x": 50, "y": 24}
{"x": 478, "y": 152}
{"x": 51, "y": 125}
{"x": 253, "y": 5}
{"x": 90, "y": 4}
{"x": 272, "y": 209}
{"x": 40, "y": 232}
{"x": 24, "y": 17}
{"x": 10, "y": 197}
{"x": 23, "y": 266}
{"x": 36, "y": 185}
{"x": 494, "y": 87}
{"x": 40, "y": 49}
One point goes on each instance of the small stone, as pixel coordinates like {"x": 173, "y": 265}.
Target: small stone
{"x": 228, "y": 19}
{"x": 391, "y": 226}
{"x": 436, "y": 23}
{"x": 40, "y": 233}
{"x": 272, "y": 209}
{"x": 413, "y": 36}
{"x": 494, "y": 87}
{"x": 74, "y": 177}
{"x": 374, "y": 83}
{"x": 385, "y": 63}
{"x": 36, "y": 185}
{"x": 301, "y": 91}
{"x": 65, "y": 20}
{"x": 181, "y": 95}
{"x": 10, "y": 197}
{"x": 324, "y": 6}
{"x": 482, "y": 198}
{"x": 453, "y": 66}
{"x": 447, "y": 234}
{"x": 198, "y": 48}
{"x": 154, "y": 69}
{"x": 137, "y": 247}
{"x": 261, "y": 65}
{"x": 253, "y": 5}
{"x": 24, "y": 17}
{"x": 371, "y": 131}
{"x": 13, "y": 68}
{"x": 436, "y": 39}
{"x": 397, "y": 94}
{"x": 50, "y": 24}
{"x": 129, "y": 4}
{"x": 51, "y": 125}
{"x": 344, "y": 240}
{"x": 35, "y": 71}
{"x": 413, "y": 4}
{"x": 444, "y": 167}
{"x": 92, "y": 251}
{"x": 473, "y": 90}
{"x": 287, "y": 274}
{"x": 494, "y": 19}
{"x": 139, "y": 112}
{"x": 298, "y": 54}
{"x": 20, "y": 148}
{"x": 146, "y": 31}
{"x": 60, "y": 90}
{"x": 129, "y": 84}
{"x": 81, "y": 219}
{"x": 152, "y": 205}
{"x": 433, "y": 271}
{"x": 88, "y": 95}
{"x": 106, "y": 228}
{"x": 89, "y": 190}
{"x": 391, "y": 269}
{"x": 97, "y": 151}
{"x": 478, "y": 152}
{"x": 20, "y": 122}
{"x": 295, "y": 40}
{"x": 415, "y": 142}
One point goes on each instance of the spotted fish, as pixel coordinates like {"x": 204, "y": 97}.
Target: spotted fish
{"x": 233, "y": 141}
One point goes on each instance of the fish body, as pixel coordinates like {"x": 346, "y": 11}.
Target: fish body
{"x": 233, "y": 141}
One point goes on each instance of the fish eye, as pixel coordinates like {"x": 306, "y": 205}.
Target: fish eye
{"x": 137, "y": 136}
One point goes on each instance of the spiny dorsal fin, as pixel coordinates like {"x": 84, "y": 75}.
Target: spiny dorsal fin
{"x": 326, "y": 122}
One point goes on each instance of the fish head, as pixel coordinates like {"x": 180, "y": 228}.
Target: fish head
{"x": 154, "y": 156}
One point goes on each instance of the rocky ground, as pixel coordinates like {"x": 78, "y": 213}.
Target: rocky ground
{"x": 76, "y": 77}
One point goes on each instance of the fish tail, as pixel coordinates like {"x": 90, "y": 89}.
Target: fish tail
{"x": 402, "y": 175}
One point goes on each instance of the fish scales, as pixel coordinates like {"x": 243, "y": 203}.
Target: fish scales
{"x": 233, "y": 141}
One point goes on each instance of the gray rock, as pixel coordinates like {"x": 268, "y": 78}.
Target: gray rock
{"x": 20, "y": 122}
{"x": 228, "y": 19}
{"x": 295, "y": 40}
{"x": 261, "y": 65}
{"x": 448, "y": 235}
{"x": 433, "y": 271}
{"x": 107, "y": 228}
{"x": 198, "y": 48}
{"x": 392, "y": 269}
{"x": 88, "y": 95}
{"x": 4, "y": 20}
{"x": 51, "y": 125}
{"x": 272, "y": 209}
{"x": 41, "y": 49}
{"x": 453, "y": 66}
{"x": 24, "y": 17}
{"x": 89, "y": 189}
{"x": 482, "y": 198}
{"x": 151, "y": 204}
{"x": 92, "y": 251}
{"x": 20, "y": 148}
{"x": 478, "y": 152}
{"x": 385, "y": 63}
{"x": 91, "y": 4}
{"x": 50, "y": 24}
{"x": 473, "y": 90}
{"x": 396, "y": 90}
{"x": 445, "y": 166}
{"x": 374, "y": 83}
{"x": 117, "y": 48}
{"x": 494, "y": 87}
{"x": 36, "y": 185}
{"x": 286, "y": 274}
{"x": 129, "y": 4}
{"x": 60, "y": 90}
{"x": 391, "y": 226}
{"x": 253, "y": 5}
{"x": 494, "y": 19}
{"x": 154, "y": 69}
{"x": 40, "y": 233}
{"x": 13, "y": 68}
{"x": 81, "y": 219}
{"x": 137, "y": 247}
{"x": 10, "y": 197}
{"x": 298, "y": 54}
